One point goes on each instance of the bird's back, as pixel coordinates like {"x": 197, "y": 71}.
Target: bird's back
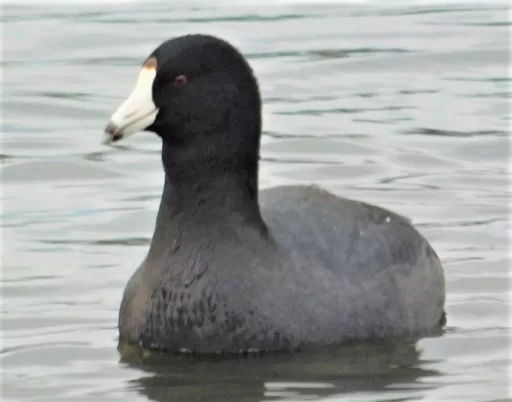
{"x": 388, "y": 279}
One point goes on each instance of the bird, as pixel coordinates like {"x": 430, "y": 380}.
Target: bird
{"x": 232, "y": 268}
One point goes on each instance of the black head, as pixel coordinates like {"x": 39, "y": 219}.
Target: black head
{"x": 199, "y": 94}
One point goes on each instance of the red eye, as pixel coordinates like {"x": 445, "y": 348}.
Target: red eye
{"x": 181, "y": 80}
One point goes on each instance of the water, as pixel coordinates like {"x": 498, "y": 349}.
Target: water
{"x": 404, "y": 106}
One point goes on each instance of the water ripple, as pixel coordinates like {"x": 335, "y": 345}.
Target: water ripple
{"x": 401, "y": 105}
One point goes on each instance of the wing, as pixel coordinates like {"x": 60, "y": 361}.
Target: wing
{"x": 342, "y": 235}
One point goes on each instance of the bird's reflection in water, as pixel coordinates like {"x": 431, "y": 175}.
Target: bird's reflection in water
{"x": 377, "y": 367}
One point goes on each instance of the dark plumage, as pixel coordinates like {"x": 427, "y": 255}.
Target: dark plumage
{"x": 232, "y": 269}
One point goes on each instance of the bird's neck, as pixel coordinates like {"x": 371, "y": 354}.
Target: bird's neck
{"x": 204, "y": 197}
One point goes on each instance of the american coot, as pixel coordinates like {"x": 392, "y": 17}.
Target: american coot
{"x": 232, "y": 269}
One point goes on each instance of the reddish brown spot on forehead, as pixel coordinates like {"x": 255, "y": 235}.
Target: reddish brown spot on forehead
{"x": 150, "y": 63}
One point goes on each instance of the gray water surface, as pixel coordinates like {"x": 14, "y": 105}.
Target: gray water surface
{"x": 404, "y": 106}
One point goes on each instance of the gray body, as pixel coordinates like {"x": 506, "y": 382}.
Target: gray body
{"x": 331, "y": 270}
